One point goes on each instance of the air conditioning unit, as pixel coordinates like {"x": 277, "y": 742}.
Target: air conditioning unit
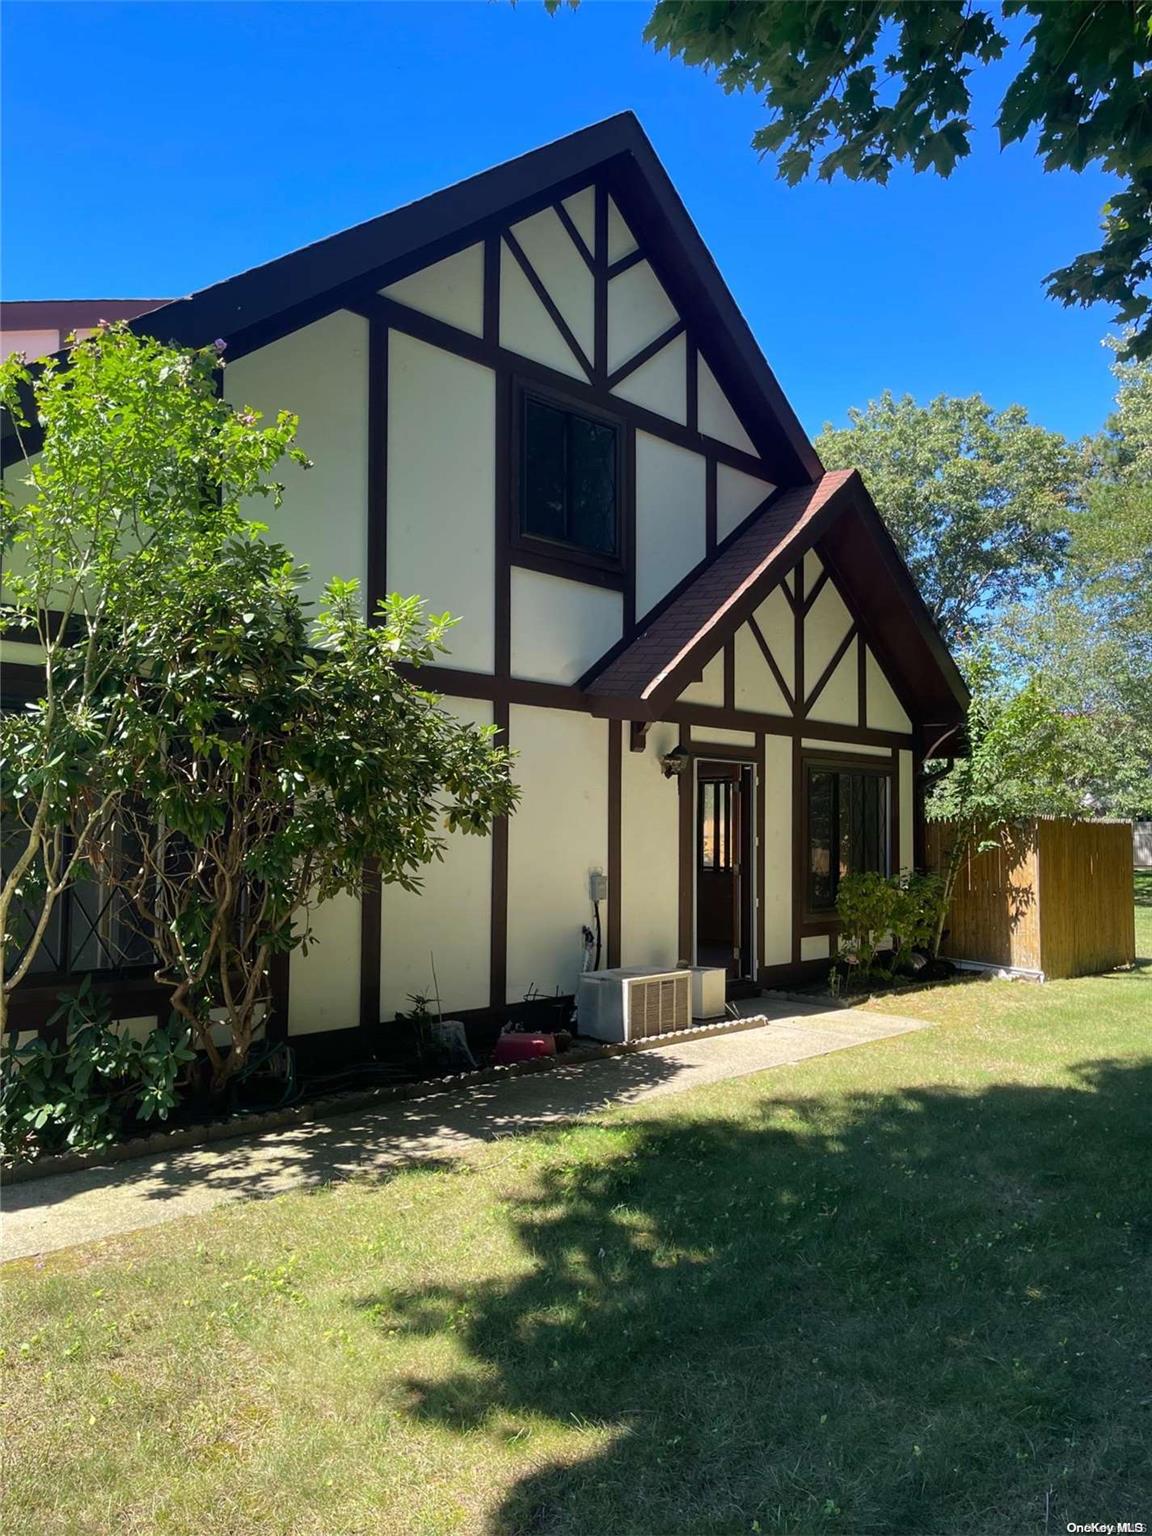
{"x": 633, "y": 1003}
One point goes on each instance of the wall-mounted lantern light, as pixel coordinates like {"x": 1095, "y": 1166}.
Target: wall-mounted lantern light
{"x": 675, "y": 762}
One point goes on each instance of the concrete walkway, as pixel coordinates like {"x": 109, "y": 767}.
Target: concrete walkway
{"x": 57, "y": 1212}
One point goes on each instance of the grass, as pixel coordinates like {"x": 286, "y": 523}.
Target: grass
{"x": 902, "y": 1289}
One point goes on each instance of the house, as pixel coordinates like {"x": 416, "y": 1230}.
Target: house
{"x": 531, "y": 398}
{"x": 39, "y": 327}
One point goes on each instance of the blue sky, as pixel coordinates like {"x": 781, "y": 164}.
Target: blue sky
{"x": 154, "y": 148}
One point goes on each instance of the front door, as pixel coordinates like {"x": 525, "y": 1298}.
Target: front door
{"x": 724, "y": 866}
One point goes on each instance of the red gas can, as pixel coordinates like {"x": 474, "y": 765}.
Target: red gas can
{"x": 515, "y": 1046}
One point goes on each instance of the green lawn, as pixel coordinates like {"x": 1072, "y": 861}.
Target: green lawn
{"x": 900, "y": 1289}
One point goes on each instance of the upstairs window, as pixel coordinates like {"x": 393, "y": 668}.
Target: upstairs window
{"x": 848, "y": 822}
{"x": 570, "y": 478}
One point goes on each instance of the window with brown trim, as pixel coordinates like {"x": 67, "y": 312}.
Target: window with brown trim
{"x": 847, "y": 816}
{"x": 569, "y": 478}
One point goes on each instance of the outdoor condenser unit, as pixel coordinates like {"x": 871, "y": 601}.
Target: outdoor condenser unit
{"x": 633, "y": 1003}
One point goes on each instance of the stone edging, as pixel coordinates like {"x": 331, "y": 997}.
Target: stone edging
{"x": 241, "y": 1127}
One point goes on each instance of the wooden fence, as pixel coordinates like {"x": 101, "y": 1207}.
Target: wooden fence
{"x": 1052, "y": 898}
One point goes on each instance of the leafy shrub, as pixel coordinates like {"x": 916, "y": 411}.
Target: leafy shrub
{"x": 893, "y": 913}
{"x": 80, "y": 1094}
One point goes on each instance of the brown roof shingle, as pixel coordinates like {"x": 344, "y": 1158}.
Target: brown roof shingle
{"x": 686, "y": 634}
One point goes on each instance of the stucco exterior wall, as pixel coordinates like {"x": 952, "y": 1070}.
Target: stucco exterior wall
{"x": 450, "y": 918}
{"x": 557, "y": 838}
{"x": 649, "y": 853}
{"x": 324, "y": 984}
{"x": 670, "y": 517}
{"x": 442, "y": 489}
{"x": 905, "y": 853}
{"x": 321, "y": 373}
{"x": 776, "y": 898}
{"x": 560, "y": 627}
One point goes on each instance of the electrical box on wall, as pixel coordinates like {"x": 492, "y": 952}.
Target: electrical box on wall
{"x": 598, "y": 885}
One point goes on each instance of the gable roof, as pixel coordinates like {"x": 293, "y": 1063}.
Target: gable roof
{"x": 642, "y": 677}
{"x": 308, "y": 282}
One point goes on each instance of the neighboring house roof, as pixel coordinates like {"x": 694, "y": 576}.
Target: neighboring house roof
{"x": 640, "y": 677}
{"x": 65, "y": 315}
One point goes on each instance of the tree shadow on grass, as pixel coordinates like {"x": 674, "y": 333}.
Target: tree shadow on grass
{"x": 905, "y": 1313}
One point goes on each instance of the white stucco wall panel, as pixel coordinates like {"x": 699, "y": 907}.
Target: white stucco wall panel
{"x": 649, "y": 853}
{"x": 660, "y": 384}
{"x": 557, "y": 838}
{"x": 825, "y": 626}
{"x": 737, "y": 496}
{"x": 885, "y": 712}
{"x": 777, "y": 834}
{"x": 670, "y": 528}
{"x": 709, "y": 689}
{"x": 451, "y": 290}
{"x": 756, "y": 688}
{"x": 324, "y": 984}
{"x": 777, "y": 624}
{"x": 639, "y": 310}
{"x": 816, "y": 946}
{"x": 581, "y": 209}
{"x": 563, "y": 271}
{"x": 559, "y": 627}
{"x": 320, "y": 372}
{"x": 720, "y": 736}
{"x": 621, "y": 240}
{"x": 822, "y": 744}
{"x": 442, "y": 490}
{"x": 839, "y": 701}
{"x": 716, "y": 416}
{"x": 449, "y": 918}
{"x": 525, "y": 325}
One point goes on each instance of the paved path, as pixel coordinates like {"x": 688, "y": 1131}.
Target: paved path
{"x": 69, "y": 1208}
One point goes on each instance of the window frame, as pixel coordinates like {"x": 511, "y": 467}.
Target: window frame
{"x": 554, "y": 556}
{"x": 838, "y": 762}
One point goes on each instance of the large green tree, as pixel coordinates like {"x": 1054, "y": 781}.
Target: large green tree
{"x": 856, "y": 89}
{"x": 201, "y": 745}
{"x": 133, "y": 472}
{"x": 978, "y": 500}
{"x": 1091, "y": 634}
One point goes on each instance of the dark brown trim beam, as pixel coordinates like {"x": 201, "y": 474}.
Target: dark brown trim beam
{"x": 549, "y": 304}
{"x": 838, "y": 656}
{"x": 645, "y": 354}
{"x": 371, "y": 933}
{"x": 498, "y": 937}
{"x": 615, "y": 831}
{"x": 377, "y": 570}
{"x": 623, "y": 263}
{"x": 710, "y": 506}
{"x": 766, "y": 651}
{"x": 817, "y": 587}
{"x": 600, "y": 281}
{"x": 575, "y": 236}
